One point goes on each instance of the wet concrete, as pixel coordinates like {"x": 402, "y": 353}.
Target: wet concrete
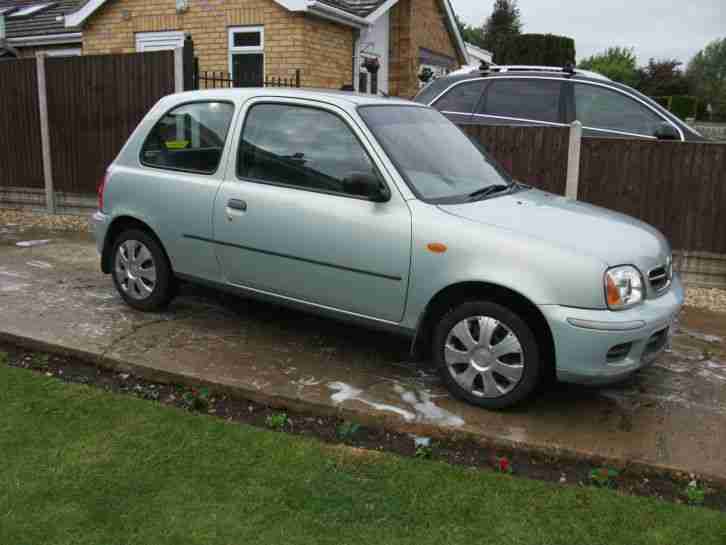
{"x": 672, "y": 414}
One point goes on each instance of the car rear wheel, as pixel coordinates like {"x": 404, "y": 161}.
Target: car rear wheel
{"x": 487, "y": 355}
{"x": 141, "y": 272}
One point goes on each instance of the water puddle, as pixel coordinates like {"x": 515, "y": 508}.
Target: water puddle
{"x": 32, "y": 243}
{"x": 420, "y": 408}
{"x": 39, "y": 264}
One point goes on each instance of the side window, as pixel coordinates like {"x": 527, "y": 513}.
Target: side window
{"x": 601, "y": 108}
{"x": 303, "y": 147}
{"x": 536, "y": 99}
{"x": 190, "y": 137}
{"x": 463, "y": 98}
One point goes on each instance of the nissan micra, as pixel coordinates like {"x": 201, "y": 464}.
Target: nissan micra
{"x": 381, "y": 211}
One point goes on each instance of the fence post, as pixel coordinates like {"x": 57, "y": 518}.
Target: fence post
{"x": 573, "y": 160}
{"x": 45, "y": 132}
{"x": 178, "y": 69}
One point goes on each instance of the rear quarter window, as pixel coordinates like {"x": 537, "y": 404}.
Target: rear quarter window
{"x": 190, "y": 137}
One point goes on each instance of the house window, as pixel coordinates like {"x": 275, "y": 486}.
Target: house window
{"x": 247, "y": 56}
{"x": 159, "y": 41}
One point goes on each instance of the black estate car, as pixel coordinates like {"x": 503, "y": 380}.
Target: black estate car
{"x": 540, "y": 95}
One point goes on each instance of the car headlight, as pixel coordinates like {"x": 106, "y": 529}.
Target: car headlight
{"x": 624, "y": 287}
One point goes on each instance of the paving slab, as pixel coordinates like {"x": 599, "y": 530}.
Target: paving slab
{"x": 52, "y": 295}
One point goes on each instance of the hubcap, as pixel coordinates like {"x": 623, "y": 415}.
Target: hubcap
{"x": 135, "y": 269}
{"x": 484, "y": 356}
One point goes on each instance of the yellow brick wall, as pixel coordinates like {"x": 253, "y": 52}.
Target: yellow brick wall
{"x": 416, "y": 24}
{"x": 320, "y": 49}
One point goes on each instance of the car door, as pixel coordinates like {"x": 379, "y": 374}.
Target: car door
{"x": 606, "y": 112}
{"x": 289, "y": 220}
{"x": 179, "y": 177}
{"x": 459, "y": 101}
{"x": 520, "y": 100}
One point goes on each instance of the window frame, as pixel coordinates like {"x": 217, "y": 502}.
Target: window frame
{"x": 179, "y": 105}
{"x": 321, "y": 107}
{"x": 247, "y": 49}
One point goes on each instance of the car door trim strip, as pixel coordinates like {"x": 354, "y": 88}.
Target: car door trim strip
{"x": 296, "y": 258}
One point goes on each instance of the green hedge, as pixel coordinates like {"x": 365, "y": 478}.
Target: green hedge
{"x": 537, "y": 49}
{"x": 683, "y": 106}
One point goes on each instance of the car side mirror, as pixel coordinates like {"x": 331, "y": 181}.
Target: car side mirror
{"x": 666, "y": 131}
{"x": 366, "y": 184}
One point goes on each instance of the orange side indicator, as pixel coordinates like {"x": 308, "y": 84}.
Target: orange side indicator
{"x": 436, "y": 247}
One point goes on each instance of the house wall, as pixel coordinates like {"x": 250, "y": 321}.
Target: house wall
{"x": 321, "y": 49}
{"x": 417, "y": 24}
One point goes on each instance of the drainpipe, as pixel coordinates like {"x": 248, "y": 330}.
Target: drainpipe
{"x": 356, "y": 44}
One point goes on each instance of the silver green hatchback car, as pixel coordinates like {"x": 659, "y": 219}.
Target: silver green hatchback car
{"x": 381, "y": 211}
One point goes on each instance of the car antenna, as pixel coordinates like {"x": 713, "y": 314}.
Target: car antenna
{"x": 569, "y": 68}
{"x": 484, "y": 66}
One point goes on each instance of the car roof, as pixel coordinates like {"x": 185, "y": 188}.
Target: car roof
{"x": 477, "y": 74}
{"x": 347, "y": 98}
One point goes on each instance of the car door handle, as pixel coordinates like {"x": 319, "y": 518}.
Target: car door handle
{"x": 237, "y": 204}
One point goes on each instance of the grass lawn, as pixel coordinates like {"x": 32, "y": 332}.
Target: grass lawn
{"x": 81, "y": 466}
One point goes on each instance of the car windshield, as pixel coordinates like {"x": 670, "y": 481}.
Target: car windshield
{"x": 439, "y": 162}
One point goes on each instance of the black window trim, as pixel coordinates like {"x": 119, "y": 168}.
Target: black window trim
{"x": 179, "y": 105}
{"x": 322, "y": 108}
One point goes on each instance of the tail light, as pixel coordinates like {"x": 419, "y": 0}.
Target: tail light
{"x": 101, "y": 188}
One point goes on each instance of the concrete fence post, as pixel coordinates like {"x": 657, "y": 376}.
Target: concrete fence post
{"x": 178, "y": 69}
{"x": 573, "y": 160}
{"x": 45, "y": 132}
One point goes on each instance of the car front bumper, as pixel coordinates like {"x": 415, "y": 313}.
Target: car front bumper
{"x": 604, "y": 346}
{"x": 98, "y": 224}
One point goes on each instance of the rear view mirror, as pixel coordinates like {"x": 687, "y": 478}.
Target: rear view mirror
{"x": 666, "y": 131}
{"x": 366, "y": 184}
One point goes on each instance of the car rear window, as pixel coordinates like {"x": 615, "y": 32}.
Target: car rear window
{"x": 190, "y": 137}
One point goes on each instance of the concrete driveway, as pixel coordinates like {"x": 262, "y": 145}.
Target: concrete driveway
{"x": 672, "y": 414}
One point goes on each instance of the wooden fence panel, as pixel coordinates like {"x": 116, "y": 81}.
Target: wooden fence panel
{"x": 94, "y": 103}
{"x": 676, "y": 187}
{"x": 534, "y": 155}
{"x": 21, "y": 163}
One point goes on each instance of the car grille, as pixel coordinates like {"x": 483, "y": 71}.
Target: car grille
{"x": 660, "y": 278}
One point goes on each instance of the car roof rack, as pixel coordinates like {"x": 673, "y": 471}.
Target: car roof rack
{"x": 568, "y": 69}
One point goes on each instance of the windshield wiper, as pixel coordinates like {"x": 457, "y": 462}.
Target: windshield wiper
{"x": 490, "y": 190}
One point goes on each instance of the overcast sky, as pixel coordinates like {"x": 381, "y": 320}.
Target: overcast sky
{"x": 656, "y": 28}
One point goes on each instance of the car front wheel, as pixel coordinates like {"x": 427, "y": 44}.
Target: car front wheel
{"x": 487, "y": 355}
{"x": 141, "y": 272}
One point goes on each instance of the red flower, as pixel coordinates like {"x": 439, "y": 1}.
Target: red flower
{"x": 504, "y": 466}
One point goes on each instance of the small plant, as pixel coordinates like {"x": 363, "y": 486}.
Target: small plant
{"x": 347, "y": 430}
{"x": 196, "y": 400}
{"x": 695, "y": 494}
{"x": 277, "y": 421}
{"x": 604, "y": 476}
{"x": 3, "y": 358}
{"x": 425, "y": 452}
{"x": 503, "y": 465}
{"x": 41, "y": 360}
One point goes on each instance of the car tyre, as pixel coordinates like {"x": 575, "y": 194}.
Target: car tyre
{"x": 487, "y": 355}
{"x": 141, "y": 271}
